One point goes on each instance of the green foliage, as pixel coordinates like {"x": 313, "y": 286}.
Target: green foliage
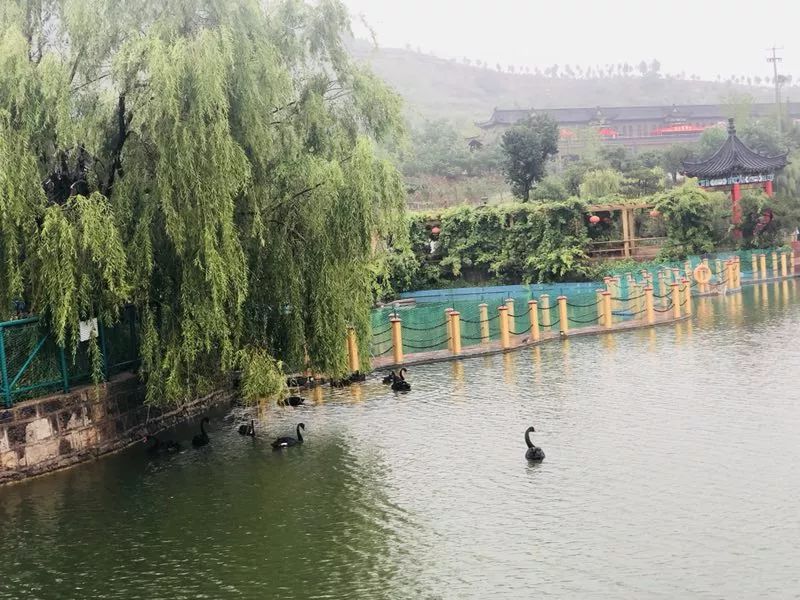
{"x": 600, "y": 183}
{"x": 438, "y": 149}
{"x": 549, "y": 188}
{"x": 527, "y": 147}
{"x": 689, "y": 213}
{"x": 756, "y": 231}
{"x": 506, "y": 243}
{"x": 641, "y": 182}
{"x": 213, "y": 163}
{"x": 263, "y": 378}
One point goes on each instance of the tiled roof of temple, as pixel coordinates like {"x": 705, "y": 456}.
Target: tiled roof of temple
{"x": 734, "y": 158}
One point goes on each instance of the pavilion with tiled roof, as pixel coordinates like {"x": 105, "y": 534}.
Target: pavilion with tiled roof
{"x": 733, "y": 166}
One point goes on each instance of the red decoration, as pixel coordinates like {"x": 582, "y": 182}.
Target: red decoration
{"x": 436, "y": 231}
{"x": 594, "y": 219}
{"x": 655, "y": 213}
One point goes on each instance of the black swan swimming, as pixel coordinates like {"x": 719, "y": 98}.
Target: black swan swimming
{"x": 390, "y": 378}
{"x": 293, "y": 401}
{"x": 249, "y": 430}
{"x": 159, "y": 447}
{"x": 534, "y": 452}
{"x": 358, "y": 377}
{"x": 400, "y": 384}
{"x": 285, "y": 442}
{"x": 202, "y": 438}
{"x": 340, "y": 383}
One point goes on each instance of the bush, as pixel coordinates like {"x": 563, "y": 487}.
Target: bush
{"x": 689, "y": 213}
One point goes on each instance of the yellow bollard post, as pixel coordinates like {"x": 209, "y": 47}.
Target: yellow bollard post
{"x": 737, "y": 270}
{"x": 484, "y": 312}
{"x": 687, "y": 297}
{"x": 791, "y": 263}
{"x": 512, "y": 319}
{"x": 397, "y": 339}
{"x": 662, "y": 289}
{"x": 784, "y": 265}
{"x": 762, "y": 259}
{"x": 676, "y": 275}
{"x": 754, "y": 261}
{"x": 775, "y": 271}
{"x": 720, "y": 270}
{"x": 676, "y": 300}
{"x": 533, "y": 315}
{"x": 544, "y": 304}
{"x": 608, "y": 319}
{"x": 448, "y": 327}
{"x": 730, "y": 277}
{"x": 352, "y": 350}
{"x": 563, "y": 315}
{"x": 600, "y": 313}
{"x": 455, "y": 324}
{"x": 650, "y": 311}
{"x": 505, "y": 338}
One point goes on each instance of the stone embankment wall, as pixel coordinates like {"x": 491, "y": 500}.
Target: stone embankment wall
{"x": 46, "y": 434}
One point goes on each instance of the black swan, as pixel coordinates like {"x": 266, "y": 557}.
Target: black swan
{"x": 249, "y": 430}
{"x": 534, "y": 452}
{"x": 358, "y": 377}
{"x": 340, "y": 383}
{"x": 390, "y": 378}
{"x": 202, "y": 438}
{"x": 294, "y": 401}
{"x": 159, "y": 447}
{"x": 285, "y": 442}
{"x": 301, "y": 381}
{"x": 400, "y": 384}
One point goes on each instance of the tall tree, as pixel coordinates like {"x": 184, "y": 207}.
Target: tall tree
{"x": 527, "y": 147}
{"x": 210, "y": 162}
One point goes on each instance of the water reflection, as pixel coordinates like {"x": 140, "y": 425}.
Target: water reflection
{"x": 428, "y": 494}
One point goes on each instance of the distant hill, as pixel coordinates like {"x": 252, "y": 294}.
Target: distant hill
{"x": 435, "y": 87}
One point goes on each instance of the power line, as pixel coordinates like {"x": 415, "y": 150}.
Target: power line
{"x": 775, "y": 59}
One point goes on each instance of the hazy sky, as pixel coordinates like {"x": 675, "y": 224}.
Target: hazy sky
{"x": 706, "y": 37}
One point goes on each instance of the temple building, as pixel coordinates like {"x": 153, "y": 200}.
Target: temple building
{"x": 635, "y": 126}
{"x": 733, "y": 167}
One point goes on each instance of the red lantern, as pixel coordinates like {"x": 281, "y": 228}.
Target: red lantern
{"x": 655, "y": 213}
{"x": 594, "y": 219}
{"x": 436, "y": 231}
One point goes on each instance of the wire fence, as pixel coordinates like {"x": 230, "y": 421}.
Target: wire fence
{"x": 425, "y": 326}
{"x": 31, "y": 363}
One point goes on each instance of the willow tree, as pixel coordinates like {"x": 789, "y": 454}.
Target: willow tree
{"x": 212, "y": 162}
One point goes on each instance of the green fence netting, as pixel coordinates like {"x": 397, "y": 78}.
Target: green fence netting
{"x": 424, "y": 324}
{"x": 31, "y": 363}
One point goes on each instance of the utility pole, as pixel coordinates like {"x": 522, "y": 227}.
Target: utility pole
{"x": 775, "y": 59}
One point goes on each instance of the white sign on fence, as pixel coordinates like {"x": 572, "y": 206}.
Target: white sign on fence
{"x": 88, "y": 329}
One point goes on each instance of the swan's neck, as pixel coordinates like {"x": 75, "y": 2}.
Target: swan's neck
{"x": 299, "y": 435}
{"x": 203, "y": 427}
{"x": 528, "y": 439}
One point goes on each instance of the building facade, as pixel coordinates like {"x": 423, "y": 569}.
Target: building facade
{"x": 636, "y": 126}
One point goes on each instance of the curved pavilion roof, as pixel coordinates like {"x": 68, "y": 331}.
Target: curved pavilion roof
{"x": 734, "y": 158}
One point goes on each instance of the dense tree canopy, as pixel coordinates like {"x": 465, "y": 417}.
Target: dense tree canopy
{"x": 527, "y": 147}
{"x": 209, "y": 161}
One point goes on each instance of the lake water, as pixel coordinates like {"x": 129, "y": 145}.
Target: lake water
{"x": 672, "y": 471}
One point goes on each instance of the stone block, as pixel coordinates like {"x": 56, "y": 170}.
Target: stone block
{"x": 38, "y": 453}
{"x": 26, "y": 411}
{"x": 52, "y": 406}
{"x": 78, "y": 418}
{"x": 9, "y": 460}
{"x": 38, "y": 430}
{"x": 16, "y": 434}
